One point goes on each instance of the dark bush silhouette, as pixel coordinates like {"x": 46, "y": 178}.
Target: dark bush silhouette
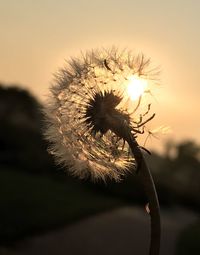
{"x": 178, "y": 174}
{"x": 22, "y": 146}
{"x": 19, "y": 108}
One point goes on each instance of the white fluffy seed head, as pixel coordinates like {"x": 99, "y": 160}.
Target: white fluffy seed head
{"x": 73, "y": 137}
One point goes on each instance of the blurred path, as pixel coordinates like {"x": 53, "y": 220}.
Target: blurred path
{"x": 120, "y": 232}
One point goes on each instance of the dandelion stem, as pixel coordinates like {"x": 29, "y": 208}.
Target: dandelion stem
{"x": 150, "y": 190}
{"x": 122, "y": 129}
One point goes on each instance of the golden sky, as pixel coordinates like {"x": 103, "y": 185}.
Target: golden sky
{"x": 37, "y": 35}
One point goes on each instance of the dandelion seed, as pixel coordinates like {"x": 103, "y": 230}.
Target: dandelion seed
{"x": 147, "y": 208}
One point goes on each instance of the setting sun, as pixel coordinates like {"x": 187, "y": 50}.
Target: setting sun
{"x": 136, "y": 86}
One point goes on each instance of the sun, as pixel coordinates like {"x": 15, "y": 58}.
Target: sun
{"x": 136, "y": 86}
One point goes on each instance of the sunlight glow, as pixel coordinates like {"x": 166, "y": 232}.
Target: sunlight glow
{"x": 136, "y": 86}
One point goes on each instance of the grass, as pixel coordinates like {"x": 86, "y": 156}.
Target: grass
{"x": 32, "y": 203}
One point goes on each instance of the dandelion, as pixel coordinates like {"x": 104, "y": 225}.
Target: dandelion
{"x": 100, "y": 84}
{"x": 99, "y": 105}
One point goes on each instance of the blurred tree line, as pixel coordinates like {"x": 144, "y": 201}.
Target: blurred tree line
{"x": 23, "y": 148}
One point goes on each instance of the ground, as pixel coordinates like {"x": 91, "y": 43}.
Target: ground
{"x": 123, "y": 231}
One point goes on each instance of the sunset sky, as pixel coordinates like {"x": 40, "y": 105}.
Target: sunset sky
{"x": 38, "y": 35}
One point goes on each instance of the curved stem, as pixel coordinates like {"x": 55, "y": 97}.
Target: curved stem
{"x": 121, "y": 128}
{"x": 150, "y": 190}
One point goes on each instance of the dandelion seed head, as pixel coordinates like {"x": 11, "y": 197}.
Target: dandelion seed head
{"x": 84, "y": 93}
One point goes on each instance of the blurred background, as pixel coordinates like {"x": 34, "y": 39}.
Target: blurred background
{"x": 42, "y": 209}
